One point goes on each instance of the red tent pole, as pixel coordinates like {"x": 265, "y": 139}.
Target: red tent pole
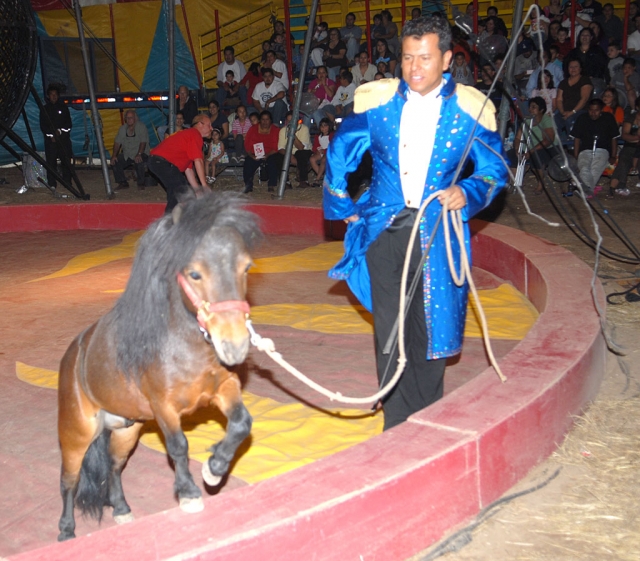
{"x": 404, "y": 13}
{"x": 287, "y": 30}
{"x": 573, "y": 23}
{"x": 217, "y": 15}
{"x": 193, "y": 53}
{"x": 367, "y": 11}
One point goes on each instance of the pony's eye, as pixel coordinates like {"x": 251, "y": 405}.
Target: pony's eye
{"x": 195, "y": 275}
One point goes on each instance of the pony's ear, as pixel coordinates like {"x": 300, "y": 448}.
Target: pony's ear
{"x": 176, "y": 213}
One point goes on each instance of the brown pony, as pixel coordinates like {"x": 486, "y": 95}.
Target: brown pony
{"x": 158, "y": 354}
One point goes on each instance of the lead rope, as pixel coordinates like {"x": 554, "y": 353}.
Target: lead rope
{"x": 268, "y": 346}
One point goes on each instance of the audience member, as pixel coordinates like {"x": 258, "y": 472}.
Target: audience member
{"x": 270, "y": 95}
{"x": 416, "y": 13}
{"x": 322, "y": 86}
{"x": 301, "y": 153}
{"x": 552, "y": 36}
{"x": 460, "y": 71}
{"x": 342, "y": 101}
{"x": 364, "y": 71}
{"x": 633, "y": 41}
{"x": 573, "y": 95}
{"x": 492, "y": 44}
{"x": 230, "y": 63}
{"x": 634, "y": 8}
{"x": 610, "y": 100}
{"x": 487, "y": 75}
{"x": 250, "y": 81}
{"x": 614, "y": 53}
{"x": 383, "y": 68}
{"x": 611, "y": 24}
{"x": 391, "y": 32}
{"x": 592, "y": 58}
{"x": 563, "y": 43}
{"x": 500, "y": 26}
{"x": 320, "y": 145}
{"x": 554, "y": 11}
{"x": 335, "y": 54}
{"x": 525, "y": 62}
{"x": 261, "y": 146}
{"x": 379, "y": 76}
{"x": 130, "y": 149}
{"x": 627, "y": 82}
{"x": 599, "y": 38}
{"x": 351, "y": 34}
{"x": 280, "y": 73}
{"x": 219, "y": 120}
{"x": 376, "y": 29}
{"x": 319, "y": 42}
{"x": 187, "y": 105}
{"x": 180, "y": 126}
{"x": 232, "y": 90}
{"x": 555, "y": 60}
{"x": 595, "y": 145}
{"x": 554, "y": 69}
{"x": 630, "y": 152}
{"x": 383, "y": 54}
{"x": 239, "y": 128}
{"x": 279, "y": 48}
{"x": 215, "y": 155}
{"x": 266, "y": 47}
{"x": 546, "y": 91}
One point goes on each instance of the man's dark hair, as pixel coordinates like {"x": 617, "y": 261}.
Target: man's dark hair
{"x": 347, "y": 75}
{"x": 419, "y": 27}
{"x": 229, "y": 48}
{"x": 387, "y": 14}
{"x": 608, "y": 4}
{"x": 540, "y": 102}
{"x": 53, "y": 88}
{"x": 494, "y": 9}
{"x": 350, "y": 14}
{"x": 266, "y": 70}
{"x": 598, "y": 102}
{"x": 271, "y": 52}
{"x": 630, "y": 61}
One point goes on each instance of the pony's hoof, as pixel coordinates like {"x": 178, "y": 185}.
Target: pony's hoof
{"x": 209, "y": 478}
{"x": 192, "y": 505}
{"x": 123, "y": 518}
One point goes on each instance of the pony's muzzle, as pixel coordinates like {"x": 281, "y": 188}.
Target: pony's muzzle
{"x": 230, "y": 337}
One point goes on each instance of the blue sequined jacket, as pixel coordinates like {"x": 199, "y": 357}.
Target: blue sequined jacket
{"x": 375, "y": 125}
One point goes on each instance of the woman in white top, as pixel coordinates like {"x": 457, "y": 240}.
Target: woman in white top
{"x": 364, "y": 71}
{"x": 548, "y": 93}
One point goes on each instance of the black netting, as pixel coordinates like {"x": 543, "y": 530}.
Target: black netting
{"x": 18, "y": 54}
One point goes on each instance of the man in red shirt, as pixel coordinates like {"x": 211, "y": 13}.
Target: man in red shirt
{"x": 174, "y": 159}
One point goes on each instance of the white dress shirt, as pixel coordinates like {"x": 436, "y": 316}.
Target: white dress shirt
{"x": 418, "y": 123}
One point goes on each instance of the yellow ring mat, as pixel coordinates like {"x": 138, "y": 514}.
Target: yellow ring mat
{"x": 286, "y": 436}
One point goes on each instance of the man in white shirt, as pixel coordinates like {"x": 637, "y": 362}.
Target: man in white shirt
{"x": 271, "y": 95}
{"x": 279, "y": 68}
{"x": 230, "y": 63}
{"x": 416, "y": 130}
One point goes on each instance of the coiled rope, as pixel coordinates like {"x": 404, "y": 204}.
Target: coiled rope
{"x": 268, "y": 346}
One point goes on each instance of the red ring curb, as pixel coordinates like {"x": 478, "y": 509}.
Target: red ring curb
{"x": 399, "y": 492}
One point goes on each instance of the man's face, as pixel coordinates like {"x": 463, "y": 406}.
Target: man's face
{"x": 607, "y": 11}
{"x": 130, "y": 119}
{"x": 488, "y": 72}
{"x": 228, "y": 57}
{"x": 204, "y": 127}
{"x": 268, "y": 78}
{"x": 271, "y": 58}
{"x": 53, "y": 96}
{"x": 183, "y": 94}
{"x": 595, "y": 112}
{"x": 423, "y": 63}
{"x": 364, "y": 58}
{"x": 350, "y": 20}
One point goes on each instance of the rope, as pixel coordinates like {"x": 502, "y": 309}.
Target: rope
{"x": 268, "y": 346}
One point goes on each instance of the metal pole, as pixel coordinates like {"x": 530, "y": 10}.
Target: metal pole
{"x": 171, "y": 18}
{"x": 94, "y": 106}
{"x": 293, "y": 125}
{"x": 511, "y": 65}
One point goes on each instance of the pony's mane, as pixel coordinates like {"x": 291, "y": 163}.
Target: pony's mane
{"x": 141, "y": 314}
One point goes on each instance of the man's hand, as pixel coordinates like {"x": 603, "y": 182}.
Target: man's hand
{"x": 352, "y": 218}
{"x": 137, "y": 159}
{"x": 456, "y": 198}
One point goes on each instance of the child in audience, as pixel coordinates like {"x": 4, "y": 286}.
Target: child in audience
{"x": 239, "y": 129}
{"x": 460, "y": 71}
{"x": 232, "y": 88}
{"x": 384, "y": 70}
{"x": 278, "y": 47}
{"x": 320, "y": 145}
{"x": 215, "y": 156}
{"x": 563, "y": 43}
{"x": 615, "y": 57}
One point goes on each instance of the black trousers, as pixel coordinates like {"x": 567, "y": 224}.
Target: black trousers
{"x": 421, "y": 383}
{"x": 61, "y": 149}
{"x": 170, "y": 177}
{"x": 250, "y": 166}
{"x": 300, "y": 159}
{"x": 122, "y": 164}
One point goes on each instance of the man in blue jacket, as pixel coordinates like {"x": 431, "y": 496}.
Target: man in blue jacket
{"x": 417, "y": 130}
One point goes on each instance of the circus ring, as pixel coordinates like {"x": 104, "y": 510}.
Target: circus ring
{"x": 398, "y": 492}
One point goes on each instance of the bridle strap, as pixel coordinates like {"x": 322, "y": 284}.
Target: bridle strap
{"x": 206, "y": 310}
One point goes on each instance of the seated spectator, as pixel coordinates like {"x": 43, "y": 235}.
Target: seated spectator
{"x": 219, "y": 120}
{"x": 320, "y": 145}
{"x": 383, "y": 54}
{"x": 612, "y": 26}
{"x": 590, "y": 8}
{"x": 250, "y": 81}
{"x": 492, "y": 44}
{"x": 301, "y": 153}
{"x": 634, "y": 8}
{"x": 239, "y": 129}
{"x": 319, "y": 43}
{"x": 335, "y": 54}
{"x": 215, "y": 155}
{"x": 379, "y": 76}
{"x": 179, "y": 125}
{"x": 351, "y": 34}
{"x": 390, "y": 32}
{"x": 554, "y": 61}
{"x": 616, "y": 60}
{"x": 554, "y": 69}
{"x": 554, "y": 11}
{"x": 230, "y": 63}
{"x": 627, "y": 82}
{"x": 416, "y": 13}
{"x": 563, "y": 43}
{"x": 186, "y": 104}
{"x": 270, "y": 95}
{"x": 599, "y": 38}
{"x": 343, "y": 99}
{"x": 460, "y": 44}
{"x": 363, "y": 71}
{"x": 549, "y": 92}
{"x": 525, "y": 62}
{"x": 487, "y": 75}
{"x": 232, "y": 90}
{"x": 539, "y": 29}
{"x": 130, "y": 149}
{"x": 573, "y": 95}
{"x": 630, "y": 152}
{"x": 383, "y": 68}
{"x": 595, "y": 144}
{"x": 280, "y": 73}
{"x": 278, "y": 47}
{"x": 322, "y": 87}
{"x": 500, "y": 26}
{"x": 296, "y": 59}
{"x": 261, "y": 146}
{"x": 376, "y": 29}
{"x": 552, "y": 35}
{"x": 610, "y": 100}
{"x": 266, "y": 47}
{"x": 541, "y": 142}
{"x": 460, "y": 71}
{"x": 633, "y": 41}
{"x": 592, "y": 57}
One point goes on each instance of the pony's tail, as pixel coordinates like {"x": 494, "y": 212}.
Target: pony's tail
{"x": 93, "y": 488}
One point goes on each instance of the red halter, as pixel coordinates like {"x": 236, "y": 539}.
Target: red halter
{"x": 206, "y": 310}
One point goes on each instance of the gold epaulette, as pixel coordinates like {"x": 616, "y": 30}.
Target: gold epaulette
{"x": 374, "y": 94}
{"x": 471, "y": 101}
